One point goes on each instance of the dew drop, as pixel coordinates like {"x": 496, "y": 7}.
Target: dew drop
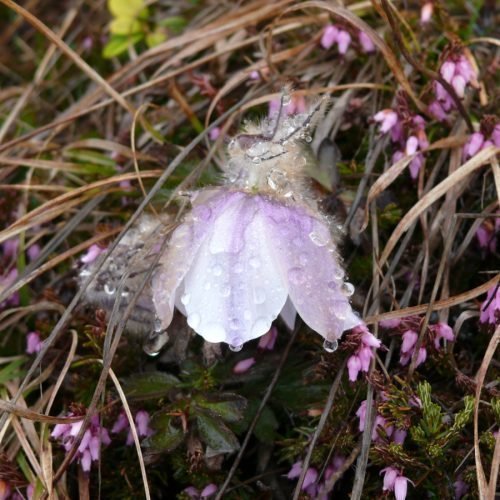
{"x": 332, "y": 285}
{"x": 319, "y": 239}
{"x": 308, "y": 138}
{"x": 299, "y": 161}
{"x": 296, "y": 275}
{"x": 259, "y": 296}
{"x": 255, "y": 262}
{"x": 276, "y": 180}
{"x": 157, "y": 325}
{"x": 186, "y": 298}
{"x": 286, "y": 99}
{"x": 347, "y": 289}
{"x": 110, "y": 290}
{"x": 256, "y": 160}
{"x": 338, "y": 274}
{"x": 235, "y": 347}
{"x": 217, "y": 270}
{"x": 125, "y": 294}
{"x": 194, "y": 320}
{"x": 225, "y": 291}
{"x": 330, "y": 345}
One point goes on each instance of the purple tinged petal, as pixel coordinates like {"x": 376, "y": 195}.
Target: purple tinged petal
{"x": 86, "y": 461}
{"x": 483, "y": 236}
{"x": 495, "y": 137}
{"x": 267, "y": 341}
{"x": 208, "y": 490}
{"x": 214, "y": 134}
{"x": 466, "y": 70}
{"x": 33, "y": 343}
{"x": 87, "y": 435}
{"x": 474, "y": 144}
{"x": 353, "y": 367}
{"x": 415, "y": 166}
{"x": 459, "y": 84}
{"x": 389, "y": 324}
{"x": 411, "y": 145}
{"x": 243, "y": 366}
{"x": 390, "y": 475}
{"x": 343, "y": 41}
{"x": 366, "y": 42}
{"x": 387, "y": 119}
{"x": 461, "y": 488}
{"x": 295, "y": 471}
{"x": 60, "y": 430}
{"x": 409, "y": 339}
{"x": 121, "y": 424}
{"x": 426, "y": 12}
{"x": 399, "y": 436}
{"x": 365, "y": 356}
{"x": 397, "y": 132}
{"x": 361, "y": 414}
{"x": 92, "y": 253}
{"x": 105, "y": 439}
{"x": 491, "y": 306}
{"x": 447, "y": 71}
{"x": 400, "y": 487}
{"x": 329, "y": 36}
{"x": 422, "y": 356}
{"x": 192, "y": 492}
{"x": 33, "y": 252}
{"x": 370, "y": 340}
{"x": 310, "y": 478}
{"x": 75, "y": 428}
{"x": 436, "y": 110}
{"x": 142, "y": 422}
{"x": 95, "y": 447}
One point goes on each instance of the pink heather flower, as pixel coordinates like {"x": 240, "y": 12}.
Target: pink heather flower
{"x": 366, "y": 42}
{"x": 461, "y": 488}
{"x": 459, "y": 83}
{"x": 343, "y": 41}
{"x": 353, "y": 367}
{"x": 473, "y": 145}
{"x": 6, "y": 281}
{"x": 214, "y": 134}
{"x": 310, "y": 478}
{"x": 411, "y": 145}
{"x": 486, "y": 234}
{"x": 396, "y": 482}
{"x": 243, "y": 366}
{"x": 442, "y": 331}
{"x": 415, "y": 166}
{"x": 421, "y": 357}
{"x": 295, "y": 471}
{"x": 409, "y": 339}
{"x": 33, "y": 343}
{"x": 5, "y": 490}
{"x": 426, "y": 12}
{"x": 436, "y": 110}
{"x": 89, "y": 448}
{"x": 33, "y": 252}
{"x": 192, "y": 492}
{"x": 92, "y": 253}
{"x": 242, "y": 256}
{"x": 254, "y": 75}
{"x": 267, "y": 341}
{"x": 447, "y": 71}
{"x": 495, "y": 135}
{"x": 10, "y": 248}
{"x": 121, "y": 424}
{"x": 142, "y": 422}
{"x": 380, "y": 422}
{"x": 208, "y": 490}
{"x": 490, "y": 308}
{"x": 387, "y": 119}
{"x": 399, "y": 436}
{"x": 389, "y": 324}
{"x": 329, "y": 36}
{"x": 361, "y": 414}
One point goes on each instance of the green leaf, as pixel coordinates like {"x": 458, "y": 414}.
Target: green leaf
{"x": 12, "y": 370}
{"x": 118, "y": 44}
{"x": 150, "y": 385}
{"x": 125, "y": 8}
{"x": 265, "y": 429}
{"x": 125, "y": 26}
{"x": 155, "y": 38}
{"x": 174, "y": 23}
{"x": 166, "y": 436}
{"x": 214, "y": 433}
{"x": 229, "y": 407}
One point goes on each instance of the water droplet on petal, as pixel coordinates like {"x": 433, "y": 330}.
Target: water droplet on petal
{"x": 157, "y": 325}
{"x": 347, "y": 289}
{"x": 256, "y": 160}
{"x": 109, "y": 289}
{"x": 286, "y": 99}
{"x": 308, "y": 138}
{"x": 332, "y": 285}
{"x": 330, "y": 345}
{"x": 259, "y": 295}
{"x": 236, "y": 348}
{"x": 194, "y": 320}
{"x": 320, "y": 239}
{"x": 225, "y": 290}
{"x": 296, "y": 275}
{"x": 339, "y": 273}
{"x": 234, "y": 324}
{"x": 154, "y": 343}
{"x": 186, "y": 298}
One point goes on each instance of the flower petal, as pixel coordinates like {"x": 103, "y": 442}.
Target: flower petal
{"x": 307, "y": 256}
{"x": 234, "y": 288}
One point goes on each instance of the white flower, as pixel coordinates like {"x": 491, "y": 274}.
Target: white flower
{"x": 255, "y": 249}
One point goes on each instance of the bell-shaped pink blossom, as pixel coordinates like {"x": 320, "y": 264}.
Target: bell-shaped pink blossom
{"x": 353, "y": 367}
{"x": 267, "y": 341}
{"x": 387, "y": 119}
{"x": 390, "y": 475}
{"x": 295, "y": 471}
{"x": 329, "y": 37}
{"x": 442, "y": 331}
{"x": 361, "y": 414}
{"x": 390, "y": 324}
{"x": 426, "y": 12}
{"x": 343, "y": 41}
{"x": 400, "y": 487}
{"x": 92, "y": 253}
{"x": 243, "y": 366}
{"x": 366, "y": 42}
{"x": 208, "y": 490}
{"x": 490, "y": 308}
{"x": 409, "y": 339}
{"x": 33, "y": 343}
{"x": 396, "y": 482}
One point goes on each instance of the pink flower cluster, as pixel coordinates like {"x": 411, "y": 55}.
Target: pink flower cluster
{"x": 361, "y": 359}
{"x": 458, "y": 71}
{"x": 311, "y": 485}
{"x": 408, "y": 328}
{"x": 337, "y": 35}
{"x": 489, "y": 135}
{"x": 395, "y": 435}
{"x": 90, "y": 446}
{"x": 426, "y": 12}
{"x": 396, "y": 482}
{"x": 490, "y": 308}
{"x": 206, "y": 492}
{"x": 407, "y": 134}
{"x": 141, "y": 422}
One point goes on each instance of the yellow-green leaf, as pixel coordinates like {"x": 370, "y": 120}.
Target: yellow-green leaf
{"x": 119, "y": 44}
{"x": 125, "y": 8}
{"x": 155, "y": 38}
{"x": 125, "y": 26}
